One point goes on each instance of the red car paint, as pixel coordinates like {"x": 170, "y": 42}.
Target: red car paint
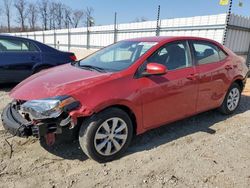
{"x": 154, "y": 100}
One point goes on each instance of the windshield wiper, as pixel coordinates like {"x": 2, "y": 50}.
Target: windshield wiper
{"x": 91, "y": 67}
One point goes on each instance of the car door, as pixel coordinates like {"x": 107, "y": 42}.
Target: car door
{"x": 17, "y": 59}
{"x": 172, "y": 96}
{"x": 213, "y": 67}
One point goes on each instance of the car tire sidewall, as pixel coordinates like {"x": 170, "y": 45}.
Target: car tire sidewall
{"x": 224, "y": 108}
{"x": 90, "y": 126}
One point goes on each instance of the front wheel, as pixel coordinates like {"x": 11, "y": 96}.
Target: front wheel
{"x": 106, "y": 135}
{"x": 232, "y": 99}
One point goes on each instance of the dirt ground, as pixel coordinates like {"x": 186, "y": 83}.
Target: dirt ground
{"x": 208, "y": 150}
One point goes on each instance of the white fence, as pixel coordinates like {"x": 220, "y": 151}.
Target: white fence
{"x": 236, "y": 36}
{"x": 98, "y": 36}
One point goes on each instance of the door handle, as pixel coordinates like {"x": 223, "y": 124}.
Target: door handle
{"x": 228, "y": 67}
{"x": 192, "y": 77}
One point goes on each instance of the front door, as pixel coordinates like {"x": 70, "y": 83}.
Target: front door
{"x": 171, "y": 96}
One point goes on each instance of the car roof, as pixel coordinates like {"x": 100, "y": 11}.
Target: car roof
{"x": 12, "y": 36}
{"x": 169, "y": 38}
{"x": 142, "y": 39}
{"x": 41, "y": 46}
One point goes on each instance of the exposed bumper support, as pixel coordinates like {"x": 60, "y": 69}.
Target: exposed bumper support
{"x": 14, "y": 123}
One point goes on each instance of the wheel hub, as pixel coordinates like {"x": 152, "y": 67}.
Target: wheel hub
{"x": 111, "y": 136}
{"x": 233, "y": 99}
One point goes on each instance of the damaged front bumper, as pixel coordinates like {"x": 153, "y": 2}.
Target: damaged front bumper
{"x": 14, "y": 123}
{"x": 18, "y": 125}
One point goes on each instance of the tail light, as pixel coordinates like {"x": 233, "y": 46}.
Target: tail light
{"x": 73, "y": 57}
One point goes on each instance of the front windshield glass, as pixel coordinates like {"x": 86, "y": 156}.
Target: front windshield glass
{"x": 118, "y": 56}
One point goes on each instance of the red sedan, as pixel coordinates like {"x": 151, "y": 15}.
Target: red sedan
{"x": 126, "y": 89}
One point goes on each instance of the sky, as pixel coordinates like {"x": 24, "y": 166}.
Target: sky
{"x": 129, "y": 10}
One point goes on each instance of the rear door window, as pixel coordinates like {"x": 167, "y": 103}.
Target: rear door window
{"x": 205, "y": 52}
{"x": 222, "y": 54}
{"x": 13, "y": 45}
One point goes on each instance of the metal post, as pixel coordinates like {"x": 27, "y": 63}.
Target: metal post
{"x": 55, "y": 39}
{"x": 88, "y": 33}
{"x": 69, "y": 41}
{"x": 43, "y": 38}
{"x": 115, "y": 28}
{"x": 227, "y": 22}
{"x": 158, "y": 21}
{"x": 35, "y": 35}
{"x": 248, "y": 58}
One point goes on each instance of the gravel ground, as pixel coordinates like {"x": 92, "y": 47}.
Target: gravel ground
{"x": 207, "y": 150}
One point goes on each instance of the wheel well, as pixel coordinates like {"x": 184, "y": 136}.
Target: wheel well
{"x": 240, "y": 83}
{"x": 122, "y": 107}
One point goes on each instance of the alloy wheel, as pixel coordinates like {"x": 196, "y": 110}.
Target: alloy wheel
{"x": 233, "y": 99}
{"x": 111, "y": 136}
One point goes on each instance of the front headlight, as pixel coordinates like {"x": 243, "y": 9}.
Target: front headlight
{"x": 48, "y": 108}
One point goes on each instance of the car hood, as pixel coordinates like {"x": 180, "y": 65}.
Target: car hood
{"x": 61, "y": 80}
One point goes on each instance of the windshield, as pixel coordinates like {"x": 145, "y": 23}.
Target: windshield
{"x": 118, "y": 56}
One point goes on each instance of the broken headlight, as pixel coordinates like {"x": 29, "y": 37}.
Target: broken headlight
{"x": 49, "y": 108}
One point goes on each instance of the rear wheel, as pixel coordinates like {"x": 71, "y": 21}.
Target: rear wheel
{"x": 232, "y": 99}
{"x": 106, "y": 135}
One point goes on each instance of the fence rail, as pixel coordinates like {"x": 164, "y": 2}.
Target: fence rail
{"x": 98, "y": 36}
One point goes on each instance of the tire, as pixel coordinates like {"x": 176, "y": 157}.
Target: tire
{"x": 234, "y": 95}
{"x": 97, "y": 139}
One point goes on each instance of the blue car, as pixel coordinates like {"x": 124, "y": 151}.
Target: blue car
{"x": 21, "y": 57}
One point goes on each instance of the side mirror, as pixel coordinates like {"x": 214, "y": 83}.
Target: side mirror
{"x": 155, "y": 69}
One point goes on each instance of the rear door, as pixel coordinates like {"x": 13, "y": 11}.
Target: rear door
{"x": 213, "y": 68}
{"x": 17, "y": 59}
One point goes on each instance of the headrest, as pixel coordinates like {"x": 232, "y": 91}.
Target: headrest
{"x": 208, "y": 52}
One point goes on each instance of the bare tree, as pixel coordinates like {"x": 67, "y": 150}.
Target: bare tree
{"x": 140, "y": 19}
{"x": 7, "y": 7}
{"x": 58, "y": 15}
{"x": 32, "y": 16}
{"x": 52, "y": 16}
{"x": 67, "y": 13}
{"x": 89, "y": 15}
{"x": 20, "y": 5}
{"x": 77, "y": 16}
{"x": 44, "y": 11}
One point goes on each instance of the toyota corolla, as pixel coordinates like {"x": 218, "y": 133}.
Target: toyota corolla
{"x": 126, "y": 89}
